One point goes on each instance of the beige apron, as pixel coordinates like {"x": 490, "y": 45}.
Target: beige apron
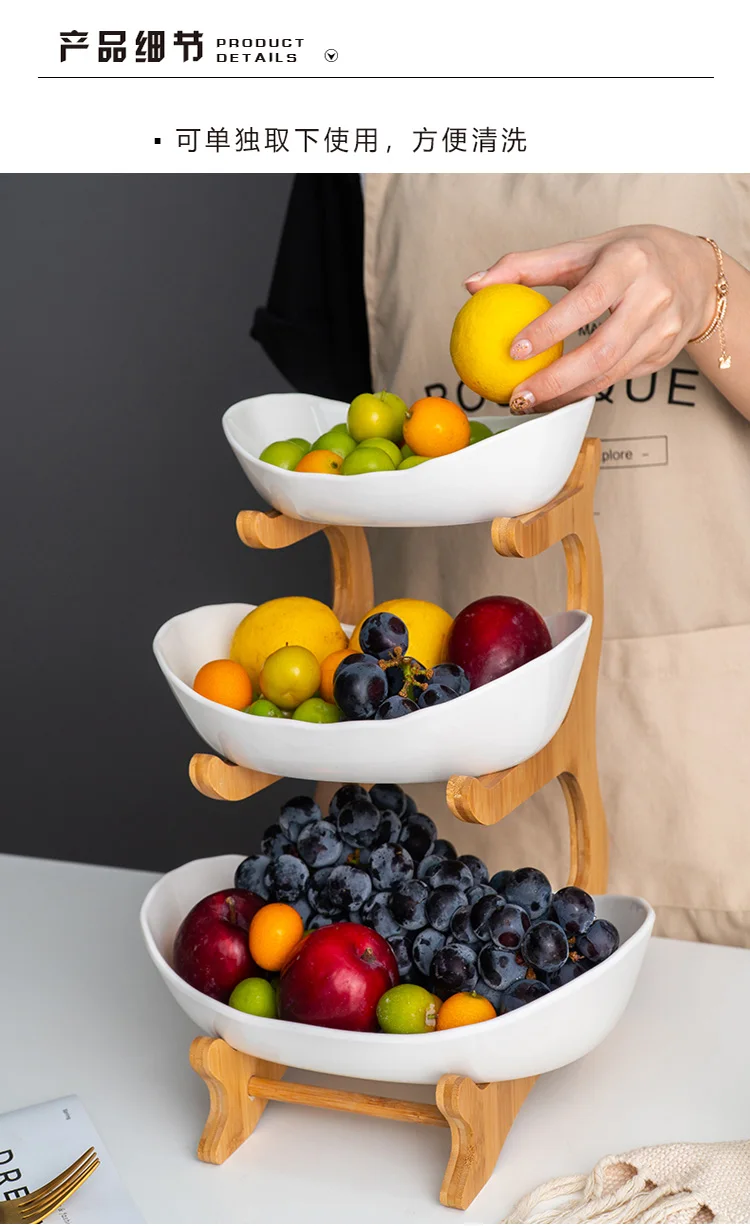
{"x": 673, "y": 513}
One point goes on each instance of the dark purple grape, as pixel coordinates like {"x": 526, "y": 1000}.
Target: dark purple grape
{"x": 454, "y": 969}
{"x": 318, "y": 921}
{"x": 451, "y": 872}
{"x": 508, "y": 926}
{"x": 480, "y": 891}
{"x": 499, "y": 969}
{"x": 545, "y": 947}
{"x": 359, "y": 686}
{"x": 319, "y": 845}
{"x": 251, "y": 875}
{"x": 390, "y": 798}
{"x": 376, "y": 913}
{"x": 522, "y": 993}
{"x": 317, "y": 893}
{"x": 426, "y": 944}
{"x": 383, "y": 635}
{"x": 406, "y": 677}
{"x": 287, "y": 878}
{"x": 297, "y": 813}
{"x": 418, "y": 835}
{"x": 445, "y": 850}
{"x": 435, "y": 696}
{"x": 599, "y": 941}
{"x": 345, "y": 795}
{"x": 408, "y": 904}
{"x": 573, "y": 909}
{"x": 396, "y": 708}
{"x": 481, "y": 914}
{"x": 316, "y": 883}
{"x": 411, "y": 805}
{"x": 427, "y": 866}
{"x": 477, "y": 868}
{"x": 570, "y": 970}
{"x": 391, "y": 866}
{"x": 303, "y": 909}
{"x": 358, "y": 822}
{"x": 389, "y": 830}
{"x": 401, "y": 944}
{"x": 500, "y": 880}
{"x": 490, "y": 994}
{"x": 452, "y": 676}
{"x": 442, "y": 905}
{"x": 461, "y": 929}
{"x": 530, "y": 889}
{"x": 276, "y": 842}
{"x": 348, "y": 887}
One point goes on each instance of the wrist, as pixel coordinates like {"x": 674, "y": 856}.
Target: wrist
{"x": 705, "y": 278}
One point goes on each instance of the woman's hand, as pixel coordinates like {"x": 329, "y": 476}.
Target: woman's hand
{"x": 658, "y": 285}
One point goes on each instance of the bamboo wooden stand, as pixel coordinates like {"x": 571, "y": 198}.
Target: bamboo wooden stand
{"x": 479, "y": 1116}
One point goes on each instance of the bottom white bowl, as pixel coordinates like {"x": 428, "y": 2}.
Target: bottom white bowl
{"x": 551, "y": 1032}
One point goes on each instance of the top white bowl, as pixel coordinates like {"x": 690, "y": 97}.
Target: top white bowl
{"x": 519, "y": 470}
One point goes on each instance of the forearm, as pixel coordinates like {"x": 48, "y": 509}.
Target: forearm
{"x": 734, "y": 383}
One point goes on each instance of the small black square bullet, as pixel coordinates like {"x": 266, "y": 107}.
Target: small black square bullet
{"x": 157, "y": 140}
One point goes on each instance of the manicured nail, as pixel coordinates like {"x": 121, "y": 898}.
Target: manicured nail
{"x": 475, "y": 276}
{"x": 520, "y": 349}
{"x": 523, "y": 402}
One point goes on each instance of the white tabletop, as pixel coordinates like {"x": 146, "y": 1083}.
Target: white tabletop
{"x": 85, "y": 1013}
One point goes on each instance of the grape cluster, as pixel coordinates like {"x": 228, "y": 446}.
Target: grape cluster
{"x": 375, "y": 860}
{"x": 383, "y": 682}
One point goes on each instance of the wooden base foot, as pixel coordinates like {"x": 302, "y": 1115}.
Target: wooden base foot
{"x": 480, "y": 1118}
{"x": 233, "y": 1112}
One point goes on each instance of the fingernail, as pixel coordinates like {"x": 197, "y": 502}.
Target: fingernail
{"x": 520, "y": 349}
{"x": 475, "y": 276}
{"x": 523, "y": 402}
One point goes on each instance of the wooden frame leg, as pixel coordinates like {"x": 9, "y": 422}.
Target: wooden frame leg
{"x": 233, "y": 1112}
{"x": 480, "y": 1118}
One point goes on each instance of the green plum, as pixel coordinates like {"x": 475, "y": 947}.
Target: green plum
{"x": 318, "y": 711}
{"x": 406, "y": 452}
{"x": 407, "y": 1009}
{"x": 367, "y": 460}
{"x": 335, "y": 440}
{"x": 284, "y": 454}
{"x": 262, "y": 706}
{"x": 377, "y": 415}
{"x": 412, "y": 461}
{"x": 300, "y": 442}
{"x": 340, "y": 427}
{"x": 256, "y": 996}
{"x": 385, "y": 444}
{"x": 478, "y": 430}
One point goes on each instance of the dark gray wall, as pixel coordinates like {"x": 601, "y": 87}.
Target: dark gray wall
{"x": 126, "y": 302}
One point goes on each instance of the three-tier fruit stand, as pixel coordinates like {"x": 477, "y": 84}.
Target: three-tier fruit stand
{"x": 479, "y": 1116}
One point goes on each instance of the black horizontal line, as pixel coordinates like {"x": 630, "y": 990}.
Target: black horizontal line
{"x": 336, "y": 77}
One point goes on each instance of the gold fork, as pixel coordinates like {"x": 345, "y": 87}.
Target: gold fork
{"x": 38, "y": 1205}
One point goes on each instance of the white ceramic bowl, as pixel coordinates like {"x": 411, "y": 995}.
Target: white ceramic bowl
{"x": 521, "y": 469}
{"x": 491, "y": 728}
{"x": 547, "y": 1034}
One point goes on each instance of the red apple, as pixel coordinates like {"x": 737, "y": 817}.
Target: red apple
{"x": 336, "y": 978}
{"x": 495, "y": 635}
{"x": 211, "y": 947}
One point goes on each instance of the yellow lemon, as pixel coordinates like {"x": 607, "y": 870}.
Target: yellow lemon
{"x": 428, "y": 626}
{"x": 295, "y": 621}
{"x": 483, "y": 332}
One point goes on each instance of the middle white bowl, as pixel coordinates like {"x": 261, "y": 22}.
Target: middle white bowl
{"x": 489, "y": 729}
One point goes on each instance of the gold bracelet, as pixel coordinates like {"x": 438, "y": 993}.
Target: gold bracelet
{"x": 717, "y": 323}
